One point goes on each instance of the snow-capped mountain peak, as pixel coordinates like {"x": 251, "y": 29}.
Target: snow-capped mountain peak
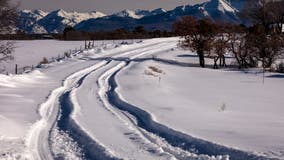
{"x": 129, "y": 13}
{"x": 40, "y": 12}
{"x": 77, "y": 17}
{"x": 28, "y": 21}
{"x": 158, "y": 11}
{"x": 138, "y": 14}
{"x": 221, "y": 5}
{"x": 38, "y": 21}
{"x": 59, "y": 12}
{"x": 36, "y": 14}
{"x": 56, "y": 21}
{"x": 217, "y": 10}
{"x": 97, "y": 14}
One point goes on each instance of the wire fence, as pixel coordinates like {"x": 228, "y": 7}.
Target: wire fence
{"x": 88, "y": 45}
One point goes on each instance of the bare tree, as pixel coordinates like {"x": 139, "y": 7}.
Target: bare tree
{"x": 278, "y": 15}
{"x": 197, "y": 35}
{"x": 268, "y": 13}
{"x": 266, "y": 47}
{"x": 8, "y": 20}
{"x": 220, "y": 46}
{"x": 6, "y": 49}
{"x": 258, "y": 12}
{"x": 240, "y": 46}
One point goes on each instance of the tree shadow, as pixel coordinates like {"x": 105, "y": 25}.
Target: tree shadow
{"x": 276, "y": 76}
{"x": 187, "y": 55}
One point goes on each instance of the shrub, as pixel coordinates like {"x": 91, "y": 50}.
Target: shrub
{"x": 44, "y": 61}
{"x": 67, "y": 54}
{"x": 280, "y": 67}
{"x": 155, "y": 69}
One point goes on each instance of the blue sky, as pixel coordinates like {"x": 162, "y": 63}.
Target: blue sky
{"x": 106, "y": 6}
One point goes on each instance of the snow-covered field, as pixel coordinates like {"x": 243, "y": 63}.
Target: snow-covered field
{"x": 31, "y": 53}
{"x": 131, "y": 102}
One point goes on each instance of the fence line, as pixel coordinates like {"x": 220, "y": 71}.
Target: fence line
{"x": 70, "y": 53}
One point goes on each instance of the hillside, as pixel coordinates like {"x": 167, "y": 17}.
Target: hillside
{"x": 54, "y": 22}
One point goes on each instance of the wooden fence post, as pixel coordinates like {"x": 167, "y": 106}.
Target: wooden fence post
{"x": 89, "y": 45}
{"x": 16, "y": 69}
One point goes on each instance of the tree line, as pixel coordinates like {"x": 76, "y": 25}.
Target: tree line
{"x": 262, "y": 41}
{"x": 138, "y": 32}
{"x": 70, "y": 33}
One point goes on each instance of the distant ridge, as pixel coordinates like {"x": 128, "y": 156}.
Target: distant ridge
{"x": 38, "y": 21}
{"x": 52, "y": 22}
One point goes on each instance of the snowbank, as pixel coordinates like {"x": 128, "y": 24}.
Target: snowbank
{"x": 227, "y": 107}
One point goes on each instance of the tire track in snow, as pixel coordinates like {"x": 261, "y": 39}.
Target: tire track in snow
{"x": 130, "y": 49}
{"x": 145, "y": 121}
{"x": 67, "y": 124}
{"x": 37, "y": 138}
{"x": 173, "y": 137}
{"x": 90, "y": 148}
{"x": 103, "y": 85}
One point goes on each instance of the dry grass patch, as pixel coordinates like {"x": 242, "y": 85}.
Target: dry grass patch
{"x": 155, "y": 69}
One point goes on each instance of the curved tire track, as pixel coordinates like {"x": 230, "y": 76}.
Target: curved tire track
{"x": 173, "y": 137}
{"x": 38, "y": 138}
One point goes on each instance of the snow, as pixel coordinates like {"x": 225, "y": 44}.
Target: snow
{"x": 128, "y": 13}
{"x": 220, "y": 6}
{"x": 158, "y": 11}
{"x": 19, "y": 107}
{"x": 225, "y": 6}
{"x": 55, "y": 21}
{"x": 232, "y": 108}
{"x": 29, "y": 19}
{"x": 73, "y": 18}
{"x": 38, "y": 21}
{"x": 37, "y": 14}
{"x": 226, "y": 106}
{"x": 28, "y": 53}
{"x": 109, "y": 120}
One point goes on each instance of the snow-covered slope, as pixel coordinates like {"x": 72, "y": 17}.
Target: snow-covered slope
{"x": 156, "y": 104}
{"x": 132, "y": 14}
{"x": 36, "y": 14}
{"x": 158, "y": 11}
{"x": 56, "y": 21}
{"x": 217, "y": 10}
{"x": 38, "y": 21}
{"x": 140, "y": 101}
{"x": 137, "y": 14}
{"x": 231, "y": 108}
{"x": 29, "y": 21}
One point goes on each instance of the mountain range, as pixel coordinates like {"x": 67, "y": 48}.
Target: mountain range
{"x": 38, "y": 21}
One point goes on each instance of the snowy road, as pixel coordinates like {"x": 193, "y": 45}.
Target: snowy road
{"x": 88, "y": 118}
{"x": 78, "y": 81}
{"x": 104, "y": 127}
